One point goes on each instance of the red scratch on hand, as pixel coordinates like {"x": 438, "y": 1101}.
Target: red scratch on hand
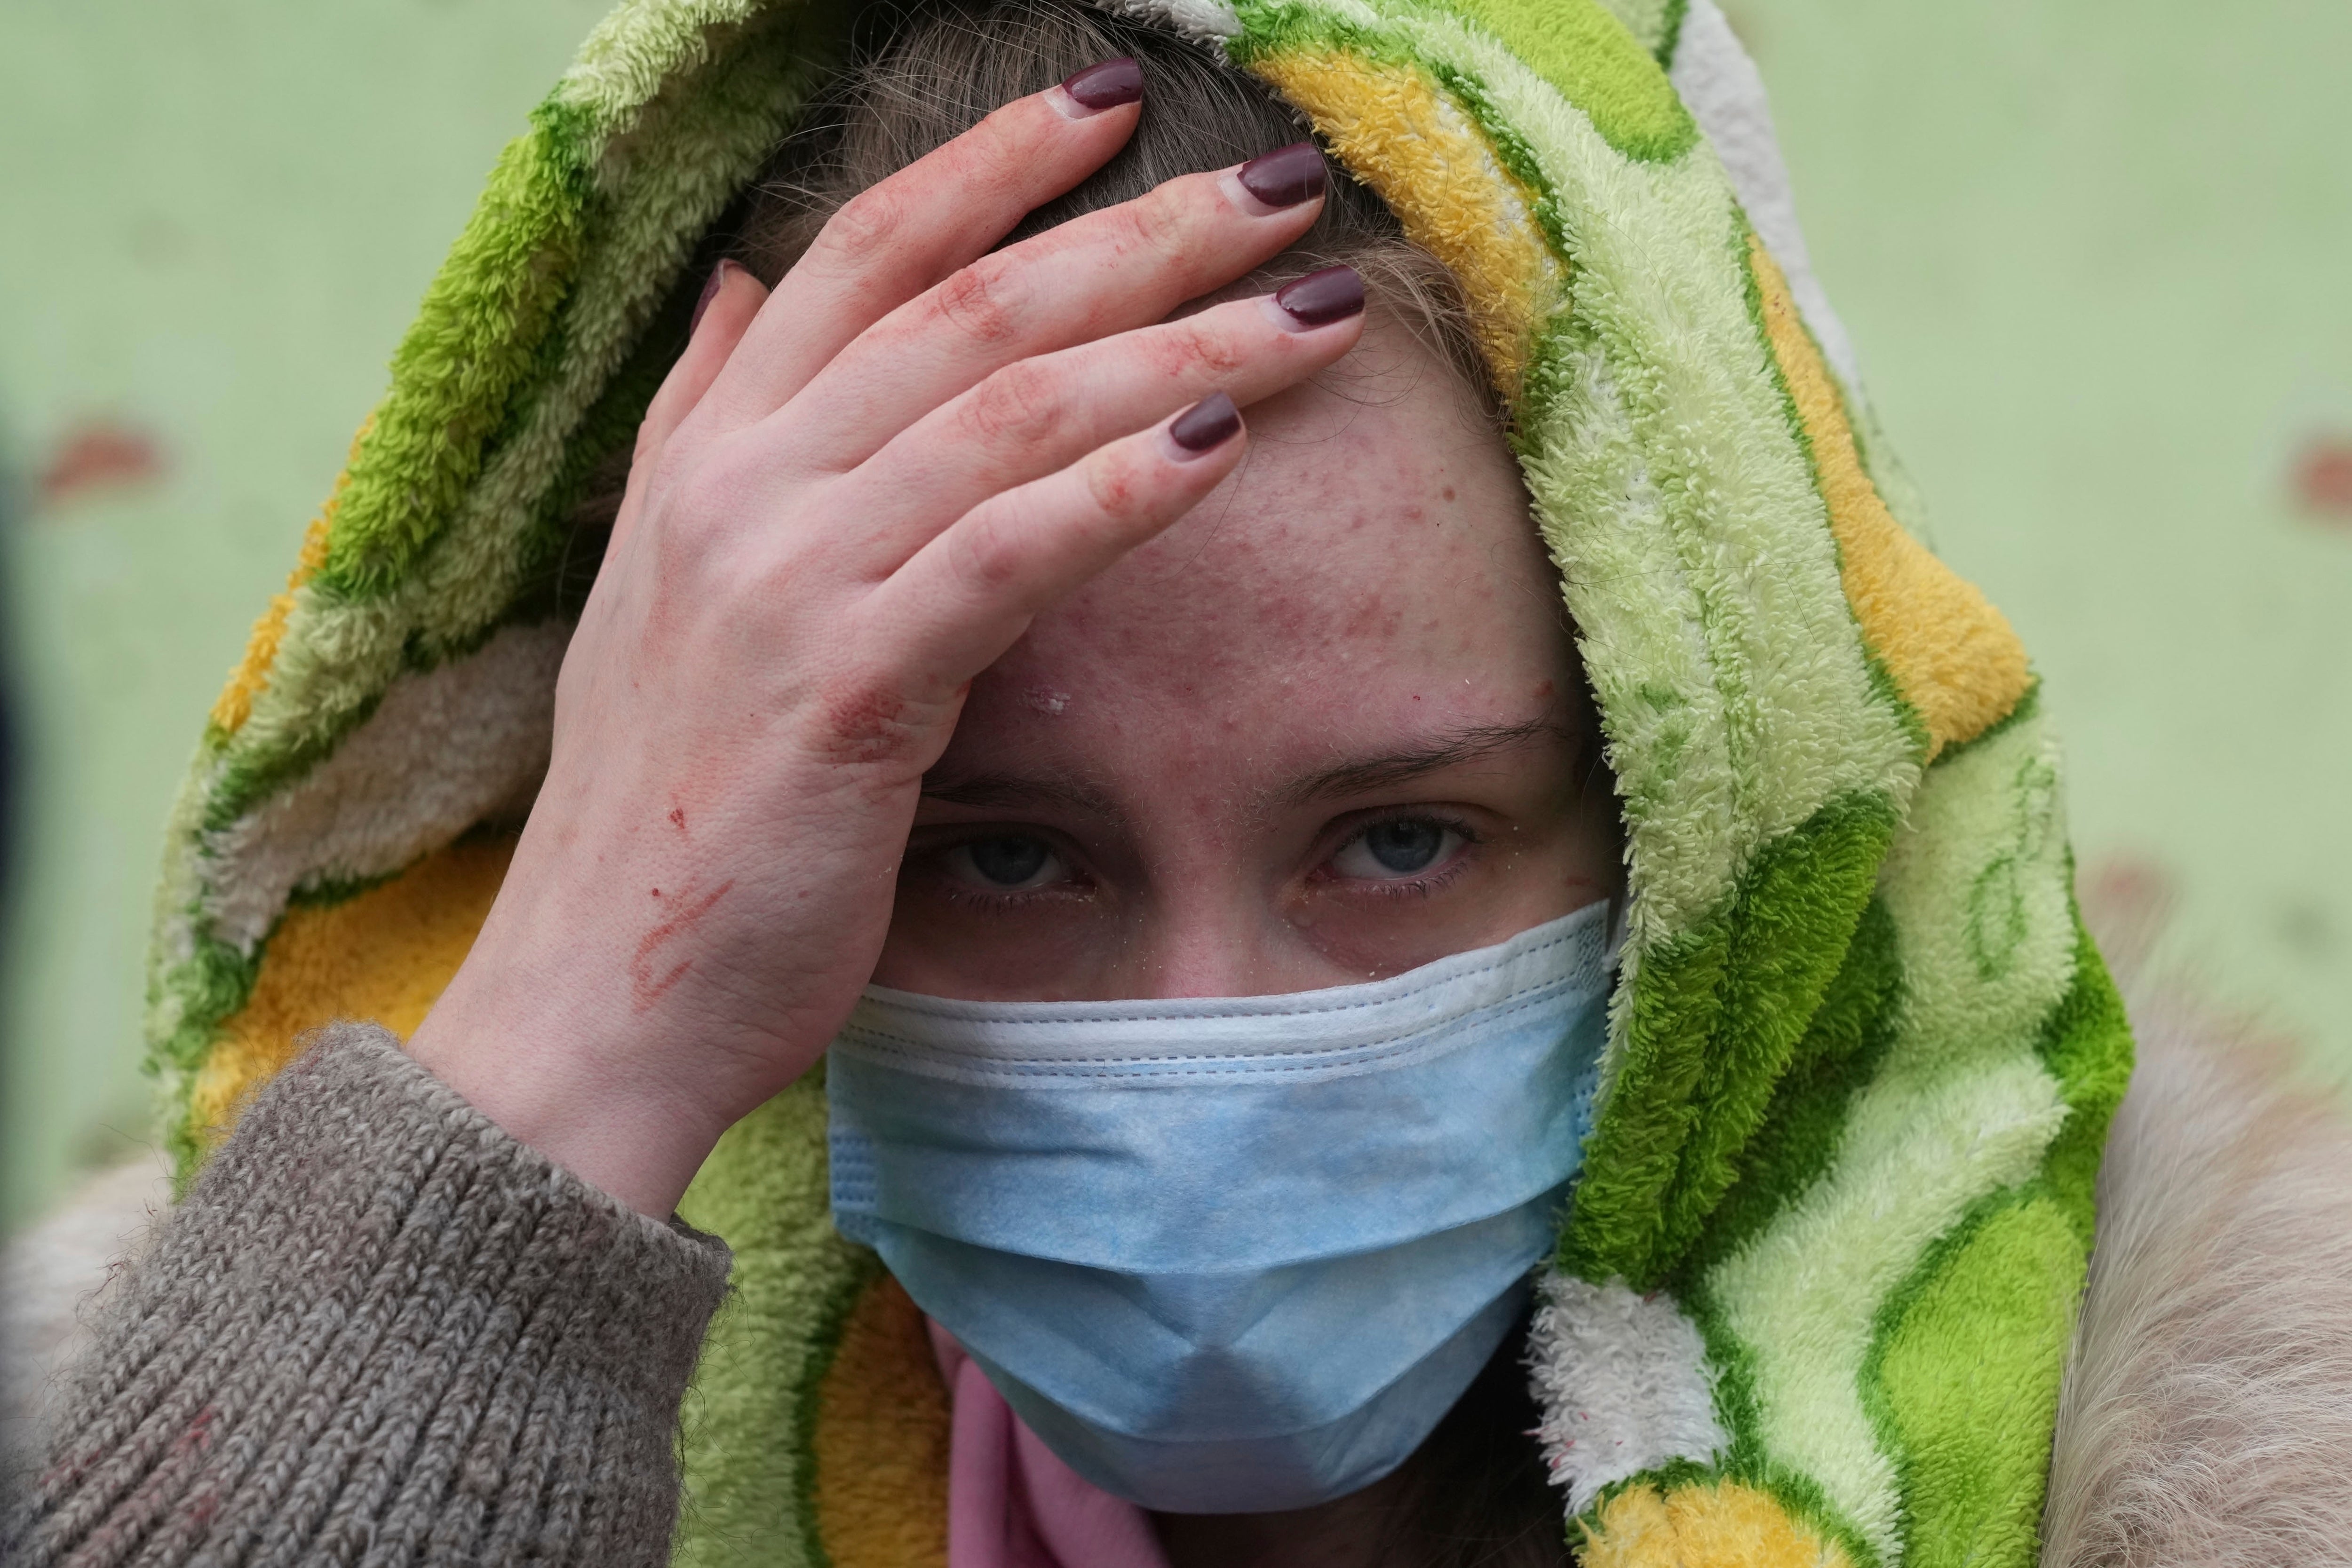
{"x": 647, "y": 978}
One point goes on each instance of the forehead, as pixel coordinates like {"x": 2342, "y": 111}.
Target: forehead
{"x": 1369, "y": 572}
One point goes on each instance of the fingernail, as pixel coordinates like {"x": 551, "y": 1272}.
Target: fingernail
{"x": 1322, "y": 297}
{"x": 1105, "y": 86}
{"x": 709, "y": 292}
{"x": 1207, "y": 425}
{"x": 1285, "y": 176}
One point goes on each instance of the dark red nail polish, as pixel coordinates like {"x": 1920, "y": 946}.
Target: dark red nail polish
{"x": 709, "y": 292}
{"x": 1105, "y": 86}
{"x": 1209, "y": 423}
{"x": 1322, "y": 297}
{"x": 1285, "y": 176}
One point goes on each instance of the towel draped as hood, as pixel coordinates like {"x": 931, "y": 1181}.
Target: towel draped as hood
{"x": 1812, "y": 1293}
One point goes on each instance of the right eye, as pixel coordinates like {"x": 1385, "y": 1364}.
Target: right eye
{"x": 1009, "y": 862}
{"x": 1397, "y": 849}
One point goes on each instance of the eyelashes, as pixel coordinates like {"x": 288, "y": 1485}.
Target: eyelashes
{"x": 1365, "y": 864}
{"x": 1003, "y": 869}
{"x": 1400, "y": 854}
{"x": 982, "y": 900}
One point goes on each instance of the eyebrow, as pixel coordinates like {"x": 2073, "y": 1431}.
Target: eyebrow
{"x": 1364, "y": 776}
{"x": 984, "y": 790}
{"x": 1358, "y": 776}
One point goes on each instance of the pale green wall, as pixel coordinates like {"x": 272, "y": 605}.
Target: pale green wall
{"x": 2098, "y": 257}
{"x": 218, "y": 216}
{"x": 2092, "y": 255}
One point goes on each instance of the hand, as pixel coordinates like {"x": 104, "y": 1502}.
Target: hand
{"x": 848, "y": 498}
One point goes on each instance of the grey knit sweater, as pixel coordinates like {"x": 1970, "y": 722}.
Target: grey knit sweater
{"x": 380, "y": 1330}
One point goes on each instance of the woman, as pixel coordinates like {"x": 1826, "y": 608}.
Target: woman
{"x": 1181, "y": 831}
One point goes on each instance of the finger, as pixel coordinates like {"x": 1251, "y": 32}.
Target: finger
{"x": 962, "y": 601}
{"x": 1034, "y": 417}
{"x": 901, "y": 236}
{"x": 729, "y": 302}
{"x": 1108, "y": 271}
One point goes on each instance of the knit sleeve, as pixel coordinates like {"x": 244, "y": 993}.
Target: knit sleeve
{"x": 381, "y": 1330}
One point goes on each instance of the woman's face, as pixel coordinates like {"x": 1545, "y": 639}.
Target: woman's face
{"x": 1324, "y": 729}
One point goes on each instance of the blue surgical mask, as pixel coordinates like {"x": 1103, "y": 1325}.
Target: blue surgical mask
{"x": 1236, "y": 1255}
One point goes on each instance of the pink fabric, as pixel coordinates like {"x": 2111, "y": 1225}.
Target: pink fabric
{"x": 1011, "y": 1503}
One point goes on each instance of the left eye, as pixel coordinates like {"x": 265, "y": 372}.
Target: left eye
{"x": 1012, "y": 864}
{"x": 1401, "y": 847}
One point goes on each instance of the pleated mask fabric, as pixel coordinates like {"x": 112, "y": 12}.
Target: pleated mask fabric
{"x": 1148, "y": 1221}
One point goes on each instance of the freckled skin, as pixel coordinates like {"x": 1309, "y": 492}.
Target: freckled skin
{"x": 1369, "y": 581}
{"x": 795, "y": 602}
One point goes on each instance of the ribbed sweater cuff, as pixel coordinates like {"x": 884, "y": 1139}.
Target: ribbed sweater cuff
{"x": 381, "y": 1330}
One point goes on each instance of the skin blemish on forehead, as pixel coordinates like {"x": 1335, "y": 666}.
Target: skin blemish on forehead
{"x": 1376, "y": 619}
{"x": 1347, "y": 635}
{"x": 1045, "y": 700}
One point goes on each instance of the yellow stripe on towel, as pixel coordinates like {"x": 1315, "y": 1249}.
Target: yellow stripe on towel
{"x": 383, "y": 955}
{"x": 234, "y": 705}
{"x": 1395, "y": 132}
{"x": 1723, "y": 1525}
{"x": 1950, "y": 653}
{"x": 881, "y": 1442}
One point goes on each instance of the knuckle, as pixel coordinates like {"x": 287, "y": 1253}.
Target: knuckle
{"x": 1160, "y": 223}
{"x": 863, "y": 718}
{"x": 706, "y": 500}
{"x": 990, "y": 160}
{"x": 976, "y": 302}
{"x": 866, "y": 225}
{"x": 1116, "y": 490}
{"x": 686, "y": 538}
{"x": 1020, "y": 404}
{"x": 1189, "y": 348}
{"x": 989, "y": 556}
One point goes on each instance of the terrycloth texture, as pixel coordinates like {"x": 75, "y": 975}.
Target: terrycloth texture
{"x": 1861, "y": 1059}
{"x": 380, "y": 1330}
{"x": 1011, "y": 1503}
